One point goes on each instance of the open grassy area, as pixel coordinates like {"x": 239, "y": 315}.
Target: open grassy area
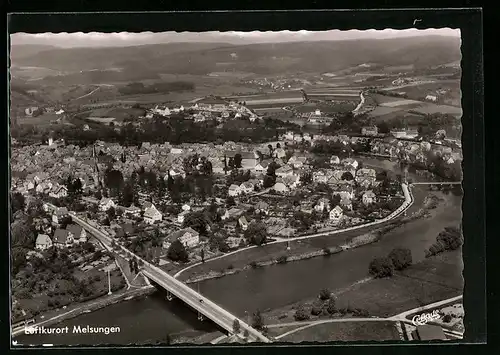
{"x": 432, "y": 280}
{"x": 118, "y": 113}
{"x": 45, "y": 119}
{"x": 349, "y": 331}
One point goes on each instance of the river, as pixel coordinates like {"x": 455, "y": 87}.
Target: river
{"x": 150, "y": 318}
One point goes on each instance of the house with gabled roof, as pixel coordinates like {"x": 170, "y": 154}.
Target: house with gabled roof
{"x": 43, "y": 242}
{"x": 369, "y": 197}
{"x": 63, "y": 238}
{"x": 152, "y": 215}
{"x": 232, "y": 213}
{"x": 285, "y": 170}
{"x": 350, "y": 163}
{"x": 181, "y": 216}
{"x": 322, "y": 204}
{"x": 242, "y": 221}
{"x": 234, "y": 190}
{"x": 58, "y": 191}
{"x": 292, "y": 181}
{"x": 187, "y": 236}
{"x": 59, "y": 214}
{"x": 262, "y": 207}
{"x": 247, "y": 187}
{"x": 79, "y": 234}
{"x": 262, "y": 166}
{"x": 366, "y": 177}
{"x": 280, "y": 187}
{"x": 336, "y": 214}
{"x": 132, "y": 210}
{"x": 334, "y": 160}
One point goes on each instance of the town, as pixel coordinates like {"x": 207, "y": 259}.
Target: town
{"x": 122, "y": 197}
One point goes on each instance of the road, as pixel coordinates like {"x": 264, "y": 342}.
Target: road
{"x": 404, "y": 315}
{"x": 90, "y": 93}
{"x": 197, "y": 301}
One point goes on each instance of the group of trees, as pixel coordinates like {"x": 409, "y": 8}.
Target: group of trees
{"x": 451, "y": 238}
{"x": 74, "y": 186}
{"x": 325, "y": 303}
{"x": 256, "y": 233}
{"x": 270, "y": 177}
{"x": 398, "y": 259}
{"x": 175, "y": 130}
{"x": 177, "y": 252}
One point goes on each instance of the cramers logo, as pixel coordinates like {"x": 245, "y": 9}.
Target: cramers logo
{"x": 425, "y": 317}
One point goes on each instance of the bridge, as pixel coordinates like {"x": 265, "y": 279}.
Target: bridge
{"x": 197, "y": 301}
{"x": 438, "y": 183}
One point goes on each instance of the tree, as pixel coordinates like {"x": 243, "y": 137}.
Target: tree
{"x": 324, "y": 294}
{"x": 301, "y": 314}
{"x": 230, "y": 201}
{"x": 237, "y": 160}
{"x": 317, "y": 308}
{"x": 236, "y": 326}
{"x": 451, "y": 238}
{"x": 202, "y": 255}
{"x": 196, "y": 220}
{"x": 330, "y": 308}
{"x": 177, "y": 252}
{"x": 335, "y": 201}
{"x": 269, "y": 181}
{"x": 383, "y": 127}
{"x": 111, "y": 213}
{"x": 401, "y": 258}
{"x": 22, "y": 234}
{"x": 17, "y": 202}
{"x": 257, "y": 320}
{"x": 347, "y": 176}
{"x": 245, "y": 333}
{"x": 256, "y": 233}
{"x": 306, "y": 178}
{"x": 381, "y": 267}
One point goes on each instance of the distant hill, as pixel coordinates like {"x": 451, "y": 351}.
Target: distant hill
{"x": 264, "y": 59}
{"x": 27, "y": 50}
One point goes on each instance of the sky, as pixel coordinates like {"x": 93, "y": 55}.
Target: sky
{"x": 99, "y": 39}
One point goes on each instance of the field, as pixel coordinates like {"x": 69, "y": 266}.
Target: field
{"x": 116, "y": 113}
{"x": 410, "y": 118}
{"x": 432, "y": 280}
{"x": 346, "y": 331}
{"x": 398, "y": 103}
{"x": 285, "y": 101}
{"x": 324, "y": 108}
{"x": 45, "y": 119}
{"x": 428, "y": 109}
{"x": 32, "y": 73}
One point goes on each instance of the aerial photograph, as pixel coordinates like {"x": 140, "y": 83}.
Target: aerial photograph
{"x": 182, "y": 188}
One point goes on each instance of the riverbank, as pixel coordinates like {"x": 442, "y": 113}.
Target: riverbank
{"x": 268, "y": 255}
{"x": 428, "y": 281}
